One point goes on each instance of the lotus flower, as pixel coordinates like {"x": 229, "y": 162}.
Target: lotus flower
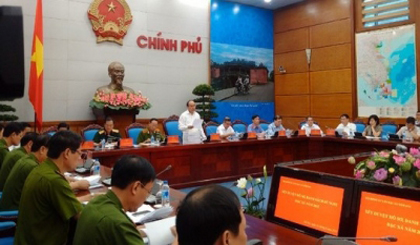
{"x": 241, "y": 183}
{"x": 359, "y": 174}
{"x": 380, "y": 174}
{"x": 396, "y": 180}
{"x": 399, "y": 160}
{"x": 351, "y": 160}
{"x": 415, "y": 152}
{"x": 250, "y": 192}
{"x": 371, "y": 165}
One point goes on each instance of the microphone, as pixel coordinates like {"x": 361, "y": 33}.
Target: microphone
{"x": 345, "y": 240}
{"x": 169, "y": 167}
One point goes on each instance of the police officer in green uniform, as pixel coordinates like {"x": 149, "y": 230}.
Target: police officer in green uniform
{"x": 107, "y": 132}
{"x": 12, "y": 134}
{"x": 14, "y": 184}
{"x": 12, "y": 157}
{"x": 151, "y": 130}
{"x": 104, "y": 221}
{"x": 48, "y": 203}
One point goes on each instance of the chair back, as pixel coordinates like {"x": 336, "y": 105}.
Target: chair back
{"x": 89, "y": 132}
{"x": 264, "y": 124}
{"x": 170, "y": 125}
{"x": 133, "y": 130}
{"x": 210, "y": 128}
{"x": 389, "y": 128}
{"x": 360, "y": 126}
{"x": 239, "y": 126}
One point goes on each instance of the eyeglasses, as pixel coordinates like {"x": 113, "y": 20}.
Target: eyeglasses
{"x": 144, "y": 187}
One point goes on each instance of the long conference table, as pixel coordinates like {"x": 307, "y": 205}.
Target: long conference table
{"x": 213, "y": 162}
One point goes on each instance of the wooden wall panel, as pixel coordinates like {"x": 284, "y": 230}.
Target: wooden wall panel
{"x": 331, "y": 58}
{"x": 289, "y": 84}
{"x": 293, "y": 62}
{"x": 311, "y": 12}
{"x": 292, "y": 122}
{"x": 335, "y": 81}
{"x": 328, "y": 123}
{"x": 292, "y": 105}
{"x": 291, "y": 40}
{"x": 331, "y": 105}
{"x": 333, "y": 33}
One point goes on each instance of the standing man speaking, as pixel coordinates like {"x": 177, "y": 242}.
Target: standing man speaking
{"x": 190, "y": 124}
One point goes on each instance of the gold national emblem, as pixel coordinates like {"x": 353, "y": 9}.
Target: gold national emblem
{"x": 110, "y": 20}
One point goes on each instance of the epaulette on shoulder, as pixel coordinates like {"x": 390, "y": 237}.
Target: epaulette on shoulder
{"x": 115, "y": 130}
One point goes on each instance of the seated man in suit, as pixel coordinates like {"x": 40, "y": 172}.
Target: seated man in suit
{"x": 14, "y": 184}
{"x": 346, "y": 128}
{"x": 151, "y": 130}
{"x": 13, "y": 156}
{"x": 108, "y": 133}
{"x": 12, "y": 134}
{"x": 410, "y": 130}
{"x": 275, "y": 126}
{"x": 211, "y": 215}
{"x": 103, "y": 220}
{"x": 225, "y": 129}
{"x": 255, "y": 125}
{"x": 48, "y": 204}
{"x": 309, "y": 126}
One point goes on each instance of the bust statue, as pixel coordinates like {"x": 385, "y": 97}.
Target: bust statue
{"x": 116, "y": 73}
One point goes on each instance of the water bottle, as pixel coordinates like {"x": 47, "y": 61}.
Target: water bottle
{"x": 152, "y": 140}
{"x": 96, "y": 167}
{"x": 165, "y": 194}
{"x": 408, "y": 137}
{"x": 351, "y": 134}
{"x": 103, "y": 144}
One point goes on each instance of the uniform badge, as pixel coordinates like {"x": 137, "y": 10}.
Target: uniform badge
{"x": 110, "y": 20}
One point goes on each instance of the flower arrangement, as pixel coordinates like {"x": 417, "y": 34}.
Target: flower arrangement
{"x": 395, "y": 167}
{"x": 120, "y": 100}
{"x": 254, "y": 201}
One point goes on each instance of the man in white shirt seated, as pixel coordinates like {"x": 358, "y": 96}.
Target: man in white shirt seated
{"x": 190, "y": 134}
{"x": 410, "y": 130}
{"x": 275, "y": 126}
{"x": 225, "y": 129}
{"x": 345, "y": 128}
{"x": 309, "y": 126}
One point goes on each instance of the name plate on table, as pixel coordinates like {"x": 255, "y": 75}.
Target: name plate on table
{"x": 315, "y": 132}
{"x": 126, "y": 142}
{"x": 215, "y": 137}
{"x": 252, "y": 135}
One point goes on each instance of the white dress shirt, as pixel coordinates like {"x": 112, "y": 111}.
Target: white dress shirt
{"x": 309, "y": 129}
{"x": 223, "y": 131}
{"x": 350, "y": 127}
{"x": 193, "y": 135}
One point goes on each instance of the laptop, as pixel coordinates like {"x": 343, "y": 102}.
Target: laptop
{"x": 394, "y": 137}
{"x": 85, "y": 168}
{"x": 359, "y": 135}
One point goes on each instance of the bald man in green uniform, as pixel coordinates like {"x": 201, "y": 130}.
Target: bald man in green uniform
{"x": 107, "y": 132}
{"x": 48, "y": 203}
{"x": 103, "y": 221}
{"x": 14, "y": 184}
{"x": 12, "y": 157}
{"x": 12, "y": 134}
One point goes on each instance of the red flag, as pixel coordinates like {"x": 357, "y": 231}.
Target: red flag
{"x": 37, "y": 67}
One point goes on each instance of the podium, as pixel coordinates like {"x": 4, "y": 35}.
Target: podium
{"x": 122, "y": 118}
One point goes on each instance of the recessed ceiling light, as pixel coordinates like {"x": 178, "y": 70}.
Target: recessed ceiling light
{"x": 267, "y": 1}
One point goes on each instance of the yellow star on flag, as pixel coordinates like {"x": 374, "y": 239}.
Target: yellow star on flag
{"x": 38, "y": 57}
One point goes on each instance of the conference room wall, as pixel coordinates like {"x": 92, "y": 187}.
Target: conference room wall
{"x": 75, "y": 65}
{"x": 322, "y": 88}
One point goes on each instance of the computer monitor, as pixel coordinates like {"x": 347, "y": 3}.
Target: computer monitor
{"x": 387, "y": 210}
{"x": 311, "y": 202}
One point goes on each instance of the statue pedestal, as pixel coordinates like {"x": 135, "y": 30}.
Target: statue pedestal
{"x": 122, "y": 118}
